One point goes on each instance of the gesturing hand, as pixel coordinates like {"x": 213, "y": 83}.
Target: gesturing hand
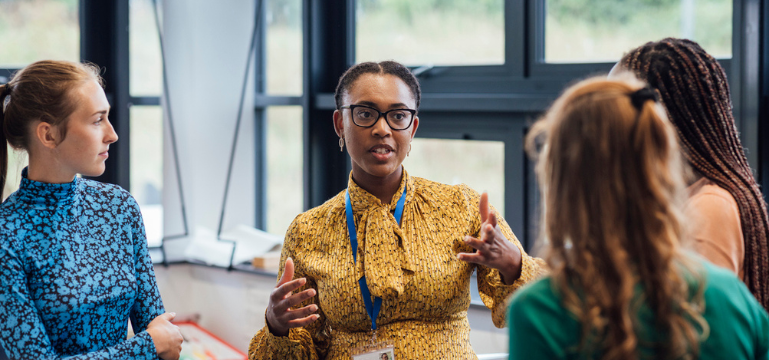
{"x": 280, "y": 316}
{"x": 493, "y": 249}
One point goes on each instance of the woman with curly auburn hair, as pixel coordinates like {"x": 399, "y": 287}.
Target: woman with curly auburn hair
{"x": 621, "y": 286}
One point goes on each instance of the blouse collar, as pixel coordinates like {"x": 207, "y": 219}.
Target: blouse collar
{"x": 36, "y": 192}
{"x": 362, "y": 199}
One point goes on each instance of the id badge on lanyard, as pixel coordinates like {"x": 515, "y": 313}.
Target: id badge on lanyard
{"x": 374, "y": 350}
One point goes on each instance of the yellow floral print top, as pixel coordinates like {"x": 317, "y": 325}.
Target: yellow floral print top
{"x": 413, "y": 268}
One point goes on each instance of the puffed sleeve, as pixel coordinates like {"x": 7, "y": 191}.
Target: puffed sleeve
{"x": 492, "y": 290}
{"x": 309, "y": 342}
{"x": 22, "y": 333}
{"x": 148, "y": 304}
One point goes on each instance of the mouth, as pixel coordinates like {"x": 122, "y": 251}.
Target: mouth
{"x": 104, "y": 154}
{"x": 382, "y": 152}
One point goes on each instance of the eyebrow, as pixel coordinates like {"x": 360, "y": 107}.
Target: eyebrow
{"x": 392, "y": 106}
{"x": 102, "y": 112}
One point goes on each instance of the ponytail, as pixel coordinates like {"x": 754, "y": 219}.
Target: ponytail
{"x": 4, "y": 102}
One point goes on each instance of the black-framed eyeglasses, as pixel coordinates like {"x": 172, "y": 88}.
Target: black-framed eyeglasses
{"x": 366, "y": 116}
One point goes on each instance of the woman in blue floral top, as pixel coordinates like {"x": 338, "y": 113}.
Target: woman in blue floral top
{"x": 74, "y": 264}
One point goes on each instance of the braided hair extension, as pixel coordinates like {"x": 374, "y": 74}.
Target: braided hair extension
{"x": 695, "y": 92}
{"x": 384, "y": 67}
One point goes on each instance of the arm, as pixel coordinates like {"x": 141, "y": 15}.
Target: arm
{"x": 308, "y": 340}
{"x": 503, "y": 265}
{"x": 148, "y": 304}
{"x": 23, "y": 334}
{"x": 714, "y": 223}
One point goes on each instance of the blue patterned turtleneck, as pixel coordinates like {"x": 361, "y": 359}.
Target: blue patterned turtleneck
{"x": 74, "y": 267}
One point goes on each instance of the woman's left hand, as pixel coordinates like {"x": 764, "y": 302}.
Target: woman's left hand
{"x": 493, "y": 249}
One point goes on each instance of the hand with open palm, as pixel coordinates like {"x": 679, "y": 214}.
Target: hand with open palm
{"x": 493, "y": 249}
{"x": 280, "y": 315}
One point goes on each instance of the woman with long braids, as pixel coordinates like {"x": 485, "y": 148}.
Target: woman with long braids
{"x": 621, "y": 286}
{"x": 74, "y": 264}
{"x": 726, "y": 210}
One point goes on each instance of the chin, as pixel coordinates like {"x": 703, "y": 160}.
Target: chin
{"x": 382, "y": 170}
{"x": 93, "y": 172}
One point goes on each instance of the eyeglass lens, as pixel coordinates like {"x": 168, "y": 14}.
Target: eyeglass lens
{"x": 398, "y": 119}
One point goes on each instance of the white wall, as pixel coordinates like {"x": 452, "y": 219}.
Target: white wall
{"x": 206, "y": 47}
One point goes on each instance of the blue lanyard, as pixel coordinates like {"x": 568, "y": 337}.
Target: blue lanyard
{"x": 371, "y": 309}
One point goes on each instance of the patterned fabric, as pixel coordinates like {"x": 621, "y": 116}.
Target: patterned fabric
{"x": 74, "y": 267}
{"x": 426, "y": 289}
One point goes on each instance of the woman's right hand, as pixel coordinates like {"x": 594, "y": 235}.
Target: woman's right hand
{"x": 280, "y": 317}
{"x": 166, "y": 336}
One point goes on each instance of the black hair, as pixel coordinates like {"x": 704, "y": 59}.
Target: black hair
{"x": 384, "y": 67}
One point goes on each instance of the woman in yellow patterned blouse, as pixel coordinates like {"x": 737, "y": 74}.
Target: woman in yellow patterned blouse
{"x": 415, "y": 243}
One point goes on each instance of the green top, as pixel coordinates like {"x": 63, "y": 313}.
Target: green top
{"x": 541, "y": 328}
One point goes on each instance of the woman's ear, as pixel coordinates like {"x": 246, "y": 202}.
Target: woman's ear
{"x": 47, "y": 134}
{"x": 414, "y": 126}
{"x": 338, "y": 123}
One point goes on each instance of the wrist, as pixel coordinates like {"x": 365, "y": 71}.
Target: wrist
{"x": 512, "y": 271}
{"x": 275, "y": 330}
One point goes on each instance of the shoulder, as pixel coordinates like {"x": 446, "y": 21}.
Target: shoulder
{"x": 536, "y": 305}
{"x": 534, "y": 294}
{"x": 459, "y": 194}
{"x": 719, "y": 282}
{"x": 106, "y": 193}
{"x": 329, "y": 211}
{"x": 710, "y": 198}
{"x": 724, "y": 292}
{"x": 14, "y": 215}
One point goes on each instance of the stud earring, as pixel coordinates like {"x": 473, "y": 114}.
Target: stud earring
{"x": 341, "y": 144}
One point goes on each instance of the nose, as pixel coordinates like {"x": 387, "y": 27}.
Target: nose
{"x": 381, "y": 128}
{"x": 110, "y": 136}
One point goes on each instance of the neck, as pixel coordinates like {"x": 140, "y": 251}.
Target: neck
{"x": 383, "y": 188}
{"x": 695, "y": 176}
{"x": 47, "y": 171}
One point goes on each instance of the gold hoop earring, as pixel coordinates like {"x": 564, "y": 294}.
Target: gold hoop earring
{"x": 409, "y": 152}
{"x": 341, "y": 144}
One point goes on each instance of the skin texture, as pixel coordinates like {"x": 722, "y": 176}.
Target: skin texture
{"x": 84, "y": 149}
{"x": 380, "y": 175}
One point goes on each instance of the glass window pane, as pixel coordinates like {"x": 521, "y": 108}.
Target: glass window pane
{"x": 283, "y": 68}
{"x": 477, "y": 163}
{"x": 17, "y": 160}
{"x": 146, "y": 69}
{"x": 450, "y": 32}
{"x": 147, "y": 167}
{"x": 38, "y": 30}
{"x": 284, "y": 167}
{"x": 602, "y": 31}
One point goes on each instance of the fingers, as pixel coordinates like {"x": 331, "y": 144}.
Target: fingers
{"x": 303, "y": 321}
{"x": 169, "y": 316}
{"x": 165, "y": 317}
{"x": 492, "y": 219}
{"x": 293, "y": 300}
{"x": 282, "y": 291}
{"x": 476, "y": 258}
{"x": 475, "y": 243}
{"x": 483, "y": 206}
{"x": 288, "y": 272}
